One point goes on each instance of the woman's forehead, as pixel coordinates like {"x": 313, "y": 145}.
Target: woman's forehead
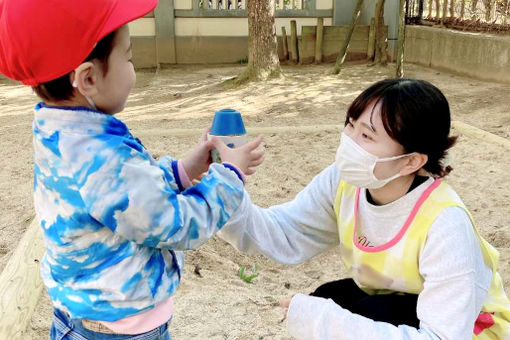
{"x": 372, "y": 115}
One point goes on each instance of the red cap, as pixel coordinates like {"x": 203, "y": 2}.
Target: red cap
{"x": 44, "y": 40}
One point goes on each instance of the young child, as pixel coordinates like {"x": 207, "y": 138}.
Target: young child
{"x": 418, "y": 267}
{"x": 115, "y": 221}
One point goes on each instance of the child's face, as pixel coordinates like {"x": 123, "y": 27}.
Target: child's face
{"x": 114, "y": 86}
{"x": 371, "y": 136}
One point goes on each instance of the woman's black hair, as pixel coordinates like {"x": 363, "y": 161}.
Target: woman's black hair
{"x": 61, "y": 88}
{"x": 414, "y": 113}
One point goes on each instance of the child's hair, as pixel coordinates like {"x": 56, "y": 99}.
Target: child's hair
{"x": 414, "y": 113}
{"x": 61, "y": 88}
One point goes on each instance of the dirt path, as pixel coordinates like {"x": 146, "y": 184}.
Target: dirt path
{"x": 219, "y": 305}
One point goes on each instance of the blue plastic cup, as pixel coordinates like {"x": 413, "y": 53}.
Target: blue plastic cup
{"x": 229, "y": 127}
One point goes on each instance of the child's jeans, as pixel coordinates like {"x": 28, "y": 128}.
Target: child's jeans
{"x": 64, "y": 328}
{"x": 397, "y": 309}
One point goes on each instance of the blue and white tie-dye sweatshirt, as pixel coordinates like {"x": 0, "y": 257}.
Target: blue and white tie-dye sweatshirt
{"x": 116, "y": 221}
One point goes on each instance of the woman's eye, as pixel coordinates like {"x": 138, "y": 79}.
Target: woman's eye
{"x": 350, "y": 124}
{"x": 364, "y": 135}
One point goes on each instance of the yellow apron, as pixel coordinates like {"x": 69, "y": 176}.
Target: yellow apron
{"x": 394, "y": 266}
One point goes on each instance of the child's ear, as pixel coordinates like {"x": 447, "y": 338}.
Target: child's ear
{"x": 415, "y": 162}
{"x": 85, "y": 79}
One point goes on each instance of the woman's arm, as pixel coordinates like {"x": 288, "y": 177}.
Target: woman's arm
{"x": 456, "y": 285}
{"x": 291, "y": 232}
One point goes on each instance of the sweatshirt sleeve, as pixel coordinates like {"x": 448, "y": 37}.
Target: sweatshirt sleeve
{"x": 292, "y": 232}
{"x": 456, "y": 284}
{"x": 140, "y": 200}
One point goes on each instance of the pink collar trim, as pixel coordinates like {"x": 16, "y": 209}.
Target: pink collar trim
{"x": 402, "y": 231}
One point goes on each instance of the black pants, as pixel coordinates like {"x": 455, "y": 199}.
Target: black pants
{"x": 397, "y": 309}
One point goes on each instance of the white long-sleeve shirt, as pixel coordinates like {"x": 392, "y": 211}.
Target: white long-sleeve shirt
{"x": 451, "y": 263}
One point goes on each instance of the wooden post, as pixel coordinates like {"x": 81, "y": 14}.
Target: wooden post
{"x": 463, "y": 8}
{"x": 401, "y": 40}
{"x": 429, "y": 4}
{"x": 505, "y": 12}
{"x": 445, "y": 11}
{"x": 318, "y": 40}
{"x": 293, "y": 42}
{"x": 452, "y": 8}
{"x": 285, "y": 44}
{"x": 21, "y": 284}
{"x": 345, "y": 44}
{"x": 371, "y": 40}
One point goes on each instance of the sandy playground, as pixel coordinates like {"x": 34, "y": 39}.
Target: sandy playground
{"x": 166, "y": 111}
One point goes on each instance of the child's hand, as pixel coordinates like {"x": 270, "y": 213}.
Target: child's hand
{"x": 247, "y": 158}
{"x": 198, "y": 160}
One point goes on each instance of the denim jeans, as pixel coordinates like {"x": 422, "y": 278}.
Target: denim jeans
{"x": 64, "y": 328}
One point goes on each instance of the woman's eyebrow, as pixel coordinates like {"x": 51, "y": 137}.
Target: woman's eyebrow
{"x": 370, "y": 127}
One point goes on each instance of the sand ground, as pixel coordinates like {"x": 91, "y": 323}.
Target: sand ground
{"x": 218, "y": 305}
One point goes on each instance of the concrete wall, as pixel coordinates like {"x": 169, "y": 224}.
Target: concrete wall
{"x": 143, "y": 40}
{"x": 342, "y": 15}
{"x": 204, "y": 38}
{"x": 199, "y": 38}
{"x": 221, "y": 40}
{"x": 333, "y": 38}
{"x": 477, "y": 55}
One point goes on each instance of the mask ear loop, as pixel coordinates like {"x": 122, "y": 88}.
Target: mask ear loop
{"x": 89, "y": 100}
{"x": 388, "y": 159}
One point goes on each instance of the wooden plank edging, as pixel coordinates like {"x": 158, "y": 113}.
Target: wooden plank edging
{"x": 21, "y": 284}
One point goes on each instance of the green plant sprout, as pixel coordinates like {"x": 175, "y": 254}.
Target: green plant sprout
{"x": 248, "y": 278}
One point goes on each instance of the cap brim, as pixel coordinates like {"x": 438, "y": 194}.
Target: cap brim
{"x": 126, "y": 11}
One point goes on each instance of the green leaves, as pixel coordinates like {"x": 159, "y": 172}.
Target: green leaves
{"x": 248, "y": 278}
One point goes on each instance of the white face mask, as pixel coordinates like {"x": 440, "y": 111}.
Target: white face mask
{"x": 357, "y": 165}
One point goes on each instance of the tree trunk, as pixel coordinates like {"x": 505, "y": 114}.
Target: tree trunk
{"x": 438, "y": 10}
{"x": 452, "y": 9}
{"x": 381, "y": 42}
{"x": 345, "y": 44}
{"x": 401, "y": 39}
{"x": 263, "y": 62}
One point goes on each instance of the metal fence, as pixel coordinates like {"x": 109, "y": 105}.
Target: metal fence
{"x": 477, "y": 15}
{"x": 237, "y": 8}
{"x": 241, "y": 4}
